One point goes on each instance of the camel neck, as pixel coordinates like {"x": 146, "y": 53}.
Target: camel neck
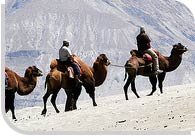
{"x": 26, "y": 86}
{"x": 174, "y": 62}
{"x": 100, "y": 73}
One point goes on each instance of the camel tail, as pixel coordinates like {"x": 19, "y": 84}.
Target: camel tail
{"x": 46, "y": 80}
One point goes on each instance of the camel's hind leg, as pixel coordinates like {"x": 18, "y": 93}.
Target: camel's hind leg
{"x": 133, "y": 88}
{"x": 45, "y": 97}
{"x": 126, "y": 86}
{"x": 153, "y": 81}
{"x": 132, "y": 82}
{"x": 161, "y": 78}
{"x": 53, "y": 100}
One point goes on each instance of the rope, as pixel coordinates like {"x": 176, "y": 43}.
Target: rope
{"x": 129, "y": 67}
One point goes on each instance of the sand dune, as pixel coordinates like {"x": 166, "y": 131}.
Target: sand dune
{"x": 174, "y": 110}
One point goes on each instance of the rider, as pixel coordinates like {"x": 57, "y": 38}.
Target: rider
{"x": 143, "y": 44}
{"x": 65, "y": 56}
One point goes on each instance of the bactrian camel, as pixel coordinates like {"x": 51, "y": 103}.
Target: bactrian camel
{"x": 166, "y": 64}
{"x": 58, "y": 78}
{"x": 22, "y": 85}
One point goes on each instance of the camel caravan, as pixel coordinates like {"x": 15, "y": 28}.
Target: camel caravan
{"x": 71, "y": 73}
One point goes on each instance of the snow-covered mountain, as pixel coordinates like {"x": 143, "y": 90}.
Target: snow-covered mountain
{"x": 35, "y": 29}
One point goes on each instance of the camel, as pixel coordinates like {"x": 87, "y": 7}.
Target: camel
{"x": 166, "y": 64}
{"x": 22, "y": 85}
{"x": 91, "y": 77}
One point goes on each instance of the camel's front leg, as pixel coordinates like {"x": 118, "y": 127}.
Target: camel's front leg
{"x": 161, "y": 78}
{"x": 76, "y": 94}
{"x": 69, "y": 100}
{"x": 90, "y": 89}
{"x": 9, "y": 104}
{"x": 92, "y": 95}
{"x": 153, "y": 81}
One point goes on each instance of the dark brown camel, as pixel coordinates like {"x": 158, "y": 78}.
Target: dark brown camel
{"x": 91, "y": 78}
{"x": 22, "y": 85}
{"x": 167, "y": 64}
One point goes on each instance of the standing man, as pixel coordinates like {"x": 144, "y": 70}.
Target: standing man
{"x": 143, "y": 44}
{"x": 65, "y": 56}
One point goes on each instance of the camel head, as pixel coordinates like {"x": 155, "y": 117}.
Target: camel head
{"x": 103, "y": 59}
{"x": 179, "y": 49}
{"x": 33, "y": 71}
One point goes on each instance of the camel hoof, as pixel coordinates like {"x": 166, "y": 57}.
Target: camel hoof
{"x": 94, "y": 104}
{"x": 57, "y": 111}
{"x": 14, "y": 118}
{"x": 149, "y": 95}
{"x": 44, "y": 112}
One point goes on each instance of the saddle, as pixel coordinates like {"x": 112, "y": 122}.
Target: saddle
{"x": 143, "y": 59}
{"x": 64, "y": 67}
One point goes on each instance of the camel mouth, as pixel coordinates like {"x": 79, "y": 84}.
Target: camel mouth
{"x": 108, "y": 63}
{"x": 40, "y": 73}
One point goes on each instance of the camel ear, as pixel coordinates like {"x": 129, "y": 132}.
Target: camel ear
{"x": 28, "y": 72}
{"x": 174, "y": 46}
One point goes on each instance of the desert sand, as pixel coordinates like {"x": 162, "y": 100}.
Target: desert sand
{"x": 172, "y": 111}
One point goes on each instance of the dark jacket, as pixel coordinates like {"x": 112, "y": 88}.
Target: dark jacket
{"x": 143, "y": 42}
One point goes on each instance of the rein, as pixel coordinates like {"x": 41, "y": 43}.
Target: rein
{"x": 114, "y": 65}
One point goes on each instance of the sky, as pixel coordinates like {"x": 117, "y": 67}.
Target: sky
{"x": 4, "y": 128}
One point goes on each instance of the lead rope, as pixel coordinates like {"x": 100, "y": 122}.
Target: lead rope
{"x": 130, "y": 67}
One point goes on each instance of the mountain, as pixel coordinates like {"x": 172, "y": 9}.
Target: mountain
{"x": 34, "y": 31}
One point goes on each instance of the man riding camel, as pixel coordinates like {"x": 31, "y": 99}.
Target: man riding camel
{"x": 66, "y": 57}
{"x": 143, "y": 44}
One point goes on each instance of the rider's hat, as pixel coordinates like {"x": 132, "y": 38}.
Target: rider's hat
{"x": 142, "y": 29}
{"x": 65, "y": 43}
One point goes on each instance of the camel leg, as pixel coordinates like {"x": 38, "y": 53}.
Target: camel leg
{"x": 45, "y": 97}
{"x": 53, "y": 100}
{"x": 153, "y": 81}
{"x": 129, "y": 80}
{"x": 68, "y": 100}
{"x": 161, "y": 78}
{"x": 134, "y": 89}
{"x": 92, "y": 95}
{"x": 90, "y": 89}
{"x": 76, "y": 95}
{"x": 9, "y": 104}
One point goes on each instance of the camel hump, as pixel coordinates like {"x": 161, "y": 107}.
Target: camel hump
{"x": 136, "y": 53}
{"x": 7, "y": 69}
{"x": 53, "y": 64}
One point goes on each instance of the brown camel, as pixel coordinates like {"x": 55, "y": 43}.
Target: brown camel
{"x": 167, "y": 64}
{"x": 91, "y": 78}
{"x": 22, "y": 85}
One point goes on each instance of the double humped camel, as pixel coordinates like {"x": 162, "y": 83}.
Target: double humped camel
{"x": 22, "y": 85}
{"x": 166, "y": 64}
{"x": 58, "y": 78}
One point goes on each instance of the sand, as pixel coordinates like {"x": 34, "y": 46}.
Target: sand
{"x": 172, "y": 111}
